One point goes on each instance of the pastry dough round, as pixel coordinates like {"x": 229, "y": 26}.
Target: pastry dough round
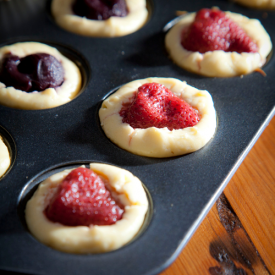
{"x": 50, "y": 97}
{"x": 124, "y": 186}
{"x": 156, "y": 142}
{"x": 219, "y": 63}
{"x": 4, "y": 158}
{"x": 258, "y": 4}
{"x": 114, "y": 26}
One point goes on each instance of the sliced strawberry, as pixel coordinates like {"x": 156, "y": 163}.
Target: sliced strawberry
{"x": 156, "y": 106}
{"x": 82, "y": 199}
{"x": 213, "y": 30}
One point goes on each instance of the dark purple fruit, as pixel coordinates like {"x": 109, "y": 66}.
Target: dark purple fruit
{"x": 10, "y": 75}
{"x": 100, "y": 9}
{"x": 45, "y": 70}
{"x": 35, "y": 72}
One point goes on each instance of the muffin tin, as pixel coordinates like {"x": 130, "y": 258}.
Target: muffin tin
{"x": 182, "y": 189}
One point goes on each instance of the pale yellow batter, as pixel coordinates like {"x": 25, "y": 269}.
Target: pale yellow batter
{"x": 50, "y": 97}
{"x": 220, "y": 63}
{"x": 125, "y": 187}
{"x": 155, "y": 142}
{"x": 258, "y": 4}
{"x": 4, "y": 158}
{"x": 114, "y": 26}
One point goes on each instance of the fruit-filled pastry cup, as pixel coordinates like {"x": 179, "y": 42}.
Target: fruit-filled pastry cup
{"x": 100, "y": 18}
{"x": 85, "y": 210}
{"x": 159, "y": 117}
{"x": 218, "y": 44}
{"x": 36, "y": 76}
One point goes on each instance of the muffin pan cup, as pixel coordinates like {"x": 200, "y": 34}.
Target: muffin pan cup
{"x": 183, "y": 189}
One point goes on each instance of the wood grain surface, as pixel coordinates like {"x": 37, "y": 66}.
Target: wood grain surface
{"x": 238, "y": 235}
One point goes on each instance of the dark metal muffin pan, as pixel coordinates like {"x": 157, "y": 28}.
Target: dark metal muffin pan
{"x": 182, "y": 188}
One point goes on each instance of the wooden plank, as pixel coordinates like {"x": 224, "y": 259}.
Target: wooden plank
{"x": 238, "y": 234}
{"x": 220, "y": 246}
{"x": 256, "y": 177}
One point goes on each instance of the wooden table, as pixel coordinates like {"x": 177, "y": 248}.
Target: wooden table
{"x": 237, "y": 236}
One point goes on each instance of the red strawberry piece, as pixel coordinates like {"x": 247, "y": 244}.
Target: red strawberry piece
{"x": 156, "y": 106}
{"x": 213, "y": 30}
{"x": 82, "y": 199}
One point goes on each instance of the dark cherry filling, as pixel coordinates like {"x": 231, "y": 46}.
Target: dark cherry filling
{"x": 212, "y": 30}
{"x": 100, "y": 9}
{"x": 35, "y": 72}
{"x": 153, "y": 105}
{"x": 83, "y": 199}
